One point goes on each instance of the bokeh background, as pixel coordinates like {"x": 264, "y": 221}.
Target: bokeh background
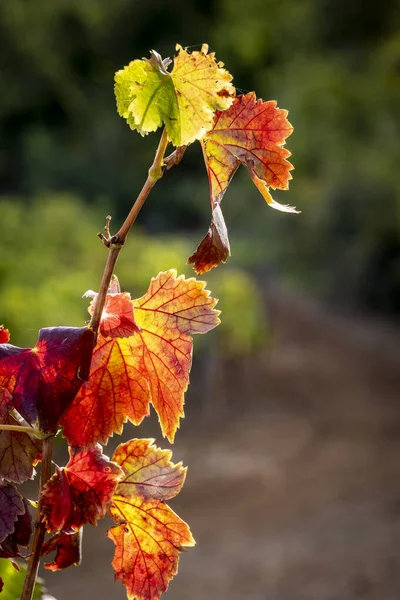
{"x": 293, "y": 419}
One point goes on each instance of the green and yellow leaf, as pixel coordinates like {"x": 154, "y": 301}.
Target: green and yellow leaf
{"x": 185, "y": 99}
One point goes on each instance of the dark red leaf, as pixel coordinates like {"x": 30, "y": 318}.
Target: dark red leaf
{"x": 68, "y": 548}
{"x": 11, "y": 506}
{"x": 57, "y": 502}
{"x": 20, "y": 536}
{"x": 18, "y": 451}
{"x": 45, "y": 379}
{"x": 23, "y": 526}
{"x": 214, "y": 248}
{"x": 80, "y": 492}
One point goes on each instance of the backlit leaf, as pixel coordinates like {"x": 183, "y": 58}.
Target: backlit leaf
{"x": 184, "y": 99}
{"x": 150, "y": 366}
{"x": 148, "y": 471}
{"x": 11, "y": 506}
{"x": 4, "y": 335}
{"x": 68, "y": 547}
{"x": 80, "y": 492}
{"x": 117, "y": 318}
{"x": 252, "y": 133}
{"x": 149, "y": 536}
{"x": 18, "y": 451}
{"x": 44, "y": 380}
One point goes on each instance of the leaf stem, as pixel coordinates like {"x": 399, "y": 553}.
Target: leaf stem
{"x": 40, "y": 527}
{"x": 117, "y": 241}
{"x": 24, "y": 429}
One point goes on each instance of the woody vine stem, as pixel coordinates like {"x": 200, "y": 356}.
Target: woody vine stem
{"x": 114, "y": 243}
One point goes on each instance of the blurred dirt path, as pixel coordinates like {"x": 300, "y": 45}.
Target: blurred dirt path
{"x": 293, "y": 492}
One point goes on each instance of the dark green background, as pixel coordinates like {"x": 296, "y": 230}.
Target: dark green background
{"x": 334, "y": 64}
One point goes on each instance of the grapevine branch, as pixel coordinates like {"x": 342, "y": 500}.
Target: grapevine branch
{"x": 115, "y": 244}
{"x": 40, "y": 527}
{"x": 202, "y": 104}
{"x": 117, "y": 241}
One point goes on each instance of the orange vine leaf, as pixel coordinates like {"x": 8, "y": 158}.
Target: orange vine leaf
{"x": 252, "y": 133}
{"x": 148, "y": 536}
{"x": 4, "y": 335}
{"x": 148, "y": 470}
{"x": 150, "y": 366}
{"x": 79, "y": 492}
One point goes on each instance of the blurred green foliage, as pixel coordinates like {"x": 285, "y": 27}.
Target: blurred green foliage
{"x": 334, "y": 64}
{"x": 50, "y": 255}
{"x": 14, "y": 580}
{"x": 244, "y": 326}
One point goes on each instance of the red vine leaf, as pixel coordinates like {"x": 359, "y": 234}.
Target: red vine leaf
{"x": 252, "y": 133}
{"x": 116, "y": 391}
{"x": 57, "y": 502}
{"x": 150, "y": 366}
{"x": 11, "y": 506}
{"x": 21, "y": 535}
{"x": 44, "y": 380}
{"x": 18, "y": 451}
{"x": 149, "y": 535}
{"x": 80, "y": 492}
{"x": 68, "y": 547}
{"x": 4, "y": 335}
{"x": 117, "y": 320}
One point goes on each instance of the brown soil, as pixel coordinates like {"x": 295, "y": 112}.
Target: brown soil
{"x": 293, "y": 490}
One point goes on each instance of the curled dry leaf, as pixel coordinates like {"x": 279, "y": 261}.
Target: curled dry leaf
{"x": 214, "y": 248}
{"x": 68, "y": 547}
{"x": 252, "y": 133}
{"x": 151, "y": 366}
